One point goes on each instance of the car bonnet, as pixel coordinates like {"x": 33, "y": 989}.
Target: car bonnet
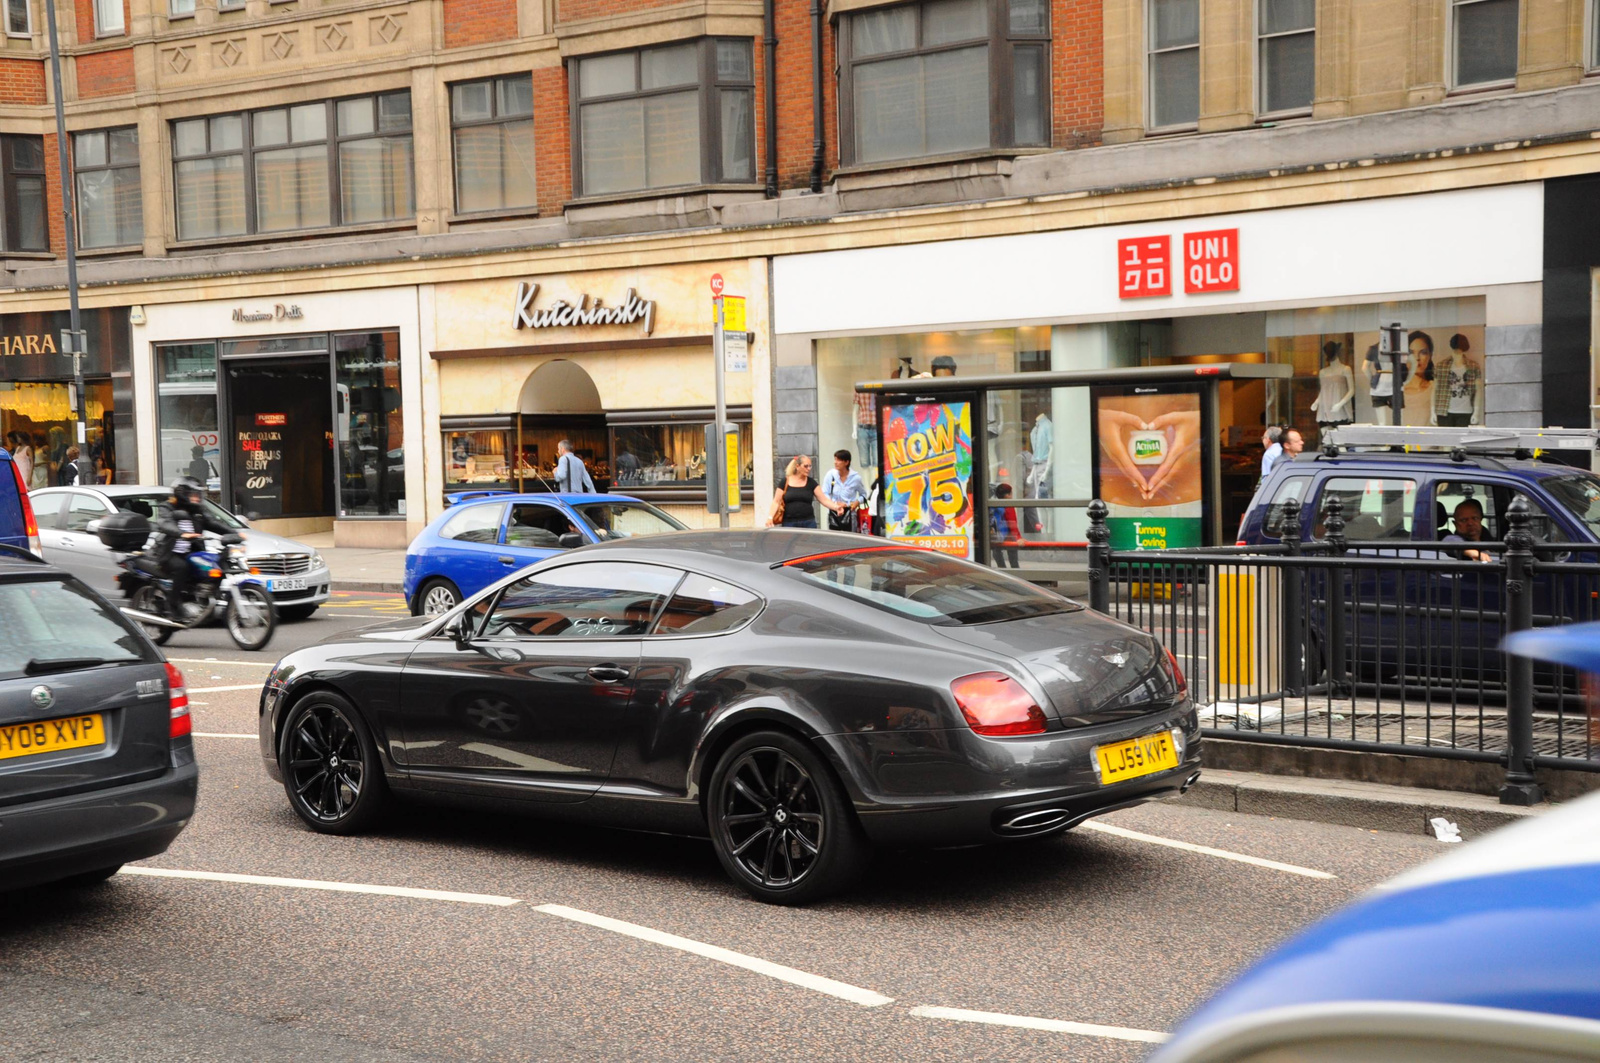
{"x": 1507, "y": 922}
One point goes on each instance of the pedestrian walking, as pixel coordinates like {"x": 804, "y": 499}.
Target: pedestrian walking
{"x": 1272, "y": 442}
{"x": 69, "y": 468}
{"x": 572, "y": 477}
{"x": 844, "y": 485}
{"x": 1004, "y": 529}
{"x": 791, "y": 503}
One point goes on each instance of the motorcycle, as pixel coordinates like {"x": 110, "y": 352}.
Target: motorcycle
{"x": 219, "y": 579}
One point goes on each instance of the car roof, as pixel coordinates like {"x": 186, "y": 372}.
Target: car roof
{"x": 1431, "y": 462}
{"x": 12, "y": 563}
{"x": 544, "y": 496}
{"x": 742, "y": 548}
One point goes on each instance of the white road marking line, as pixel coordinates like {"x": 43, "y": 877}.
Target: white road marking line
{"x": 216, "y": 660}
{"x": 1085, "y": 1029}
{"x": 332, "y": 887}
{"x": 844, "y": 991}
{"x": 221, "y": 734}
{"x": 214, "y": 690}
{"x": 1123, "y": 832}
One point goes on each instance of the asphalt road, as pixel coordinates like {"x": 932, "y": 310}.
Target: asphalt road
{"x": 1109, "y": 929}
{"x": 344, "y": 611}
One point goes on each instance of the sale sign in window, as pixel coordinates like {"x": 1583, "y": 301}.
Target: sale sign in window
{"x": 1211, "y": 262}
{"x": 927, "y": 475}
{"x": 1144, "y": 267}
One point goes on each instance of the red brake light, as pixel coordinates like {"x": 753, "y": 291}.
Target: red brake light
{"x": 29, "y": 524}
{"x": 1177, "y": 674}
{"x": 178, "y": 703}
{"x": 995, "y": 704}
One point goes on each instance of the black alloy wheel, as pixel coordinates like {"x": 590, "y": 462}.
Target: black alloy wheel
{"x": 780, "y": 822}
{"x": 330, "y": 765}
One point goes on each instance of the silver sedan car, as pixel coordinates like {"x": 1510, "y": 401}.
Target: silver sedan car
{"x": 297, "y": 576}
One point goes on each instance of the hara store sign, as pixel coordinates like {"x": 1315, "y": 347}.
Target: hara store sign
{"x": 1210, "y": 264}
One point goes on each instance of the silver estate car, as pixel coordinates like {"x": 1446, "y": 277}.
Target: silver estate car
{"x": 297, "y": 576}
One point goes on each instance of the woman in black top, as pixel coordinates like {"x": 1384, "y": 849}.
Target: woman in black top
{"x": 797, "y": 491}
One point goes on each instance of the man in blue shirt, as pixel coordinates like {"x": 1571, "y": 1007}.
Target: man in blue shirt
{"x": 843, "y": 484}
{"x": 571, "y": 476}
{"x": 1272, "y": 439}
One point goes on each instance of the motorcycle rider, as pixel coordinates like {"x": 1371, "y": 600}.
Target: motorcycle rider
{"x": 180, "y": 529}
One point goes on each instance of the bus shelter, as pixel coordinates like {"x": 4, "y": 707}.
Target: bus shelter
{"x": 1001, "y": 469}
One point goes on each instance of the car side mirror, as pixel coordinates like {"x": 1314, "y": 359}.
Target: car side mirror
{"x": 457, "y": 630}
{"x": 571, "y": 540}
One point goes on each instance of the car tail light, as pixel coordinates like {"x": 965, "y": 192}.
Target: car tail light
{"x": 178, "y": 704}
{"x": 997, "y": 705}
{"x": 1177, "y": 674}
{"x": 29, "y": 524}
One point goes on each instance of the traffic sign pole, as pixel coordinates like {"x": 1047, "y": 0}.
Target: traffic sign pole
{"x": 718, "y": 352}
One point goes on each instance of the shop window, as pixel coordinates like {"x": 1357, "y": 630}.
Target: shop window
{"x": 19, "y": 18}
{"x": 915, "y": 80}
{"x": 1174, "y": 63}
{"x": 105, "y": 164}
{"x": 681, "y": 114}
{"x": 22, "y": 158}
{"x": 669, "y": 455}
{"x": 108, "y": 18}
{"x": 492, "y": 134}
{"x": 370, "y": 425}
{"x": 309, "y": 166}
{"x": 186, "y": 410}
{"x": 1483, "y": 42}
{"x": 476, "y": 458}
{"x": 1286, "y": 32}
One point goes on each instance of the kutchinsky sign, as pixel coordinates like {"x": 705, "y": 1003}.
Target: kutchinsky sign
{"x": 562, "y": 314}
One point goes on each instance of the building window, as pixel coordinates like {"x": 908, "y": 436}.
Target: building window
{"x": 492, "y": 125}
{"x": 1174, "y": 63}
{"x": 106, "y": 165}
{"x": 108, "y": 18}
{"x": 1484, "y": 41}
{"x": 335, "y": 162}
{"x": 22, "y": 162}
{"x": 682, "y": 114}
{"x": 19, "y": 18}
{"x": 180, "y": 8}
{"x": 1286, "y": 37}
{"x": 186, "y": 406}
{"x": 946, "y": 76}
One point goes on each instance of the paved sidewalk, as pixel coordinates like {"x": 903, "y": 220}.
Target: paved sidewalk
{"x": 359, "y": 568}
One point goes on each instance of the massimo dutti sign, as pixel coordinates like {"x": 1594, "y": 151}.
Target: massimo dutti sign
{"x": 586, "y": 311}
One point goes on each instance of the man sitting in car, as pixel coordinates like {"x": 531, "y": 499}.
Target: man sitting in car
{"x": 1468, "y": 521}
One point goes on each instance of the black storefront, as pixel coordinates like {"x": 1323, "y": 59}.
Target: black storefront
{"x": 36, "y": 391}
{"x": 1571, "y": 383}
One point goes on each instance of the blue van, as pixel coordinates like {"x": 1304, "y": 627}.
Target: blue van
{"x": 17, "y": 526}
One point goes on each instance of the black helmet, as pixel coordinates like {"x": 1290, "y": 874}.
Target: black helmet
{"x": 186, "y": 489}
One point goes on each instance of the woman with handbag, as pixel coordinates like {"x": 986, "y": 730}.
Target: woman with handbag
{"x": 791, "y": 503}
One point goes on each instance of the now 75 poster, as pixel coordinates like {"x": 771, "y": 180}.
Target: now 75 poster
{"x": 927, "y": 475}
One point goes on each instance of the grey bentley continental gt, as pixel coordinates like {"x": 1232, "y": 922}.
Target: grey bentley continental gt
{"x": 798, "y": 696}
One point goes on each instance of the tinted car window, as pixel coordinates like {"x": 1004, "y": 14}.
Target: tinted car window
{"x": 1292, "y": 488}
{"x": 149, "y": 505}
{"x": 624, "y": 520}
{"x": 929, "y": 587}
{"x": 704, "y": 606}
{"x": 533, "y": 524}
{"x": 60, "y": 620}
{"x": 1374, "y": 507}
{"x": 1494, "y": 500}
{"x": 475, "y": 524}
{"x": 1580, "y": 495}
{"x": 597, "y": 600}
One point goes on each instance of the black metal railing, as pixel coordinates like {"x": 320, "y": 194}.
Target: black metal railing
{"x": 1387, "y": 645}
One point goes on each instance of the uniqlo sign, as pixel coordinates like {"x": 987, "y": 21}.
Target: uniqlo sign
{"x": 1211, "y": 261}
{"x": 1144, "y": 267}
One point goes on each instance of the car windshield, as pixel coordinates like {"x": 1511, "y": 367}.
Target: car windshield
{"x": 930, "y": 587}
{"x": 52, "y": 620}
{"x": 1580, "y": 495}
{"x": 624, "y": 520}
{"x": 149, "y": 505}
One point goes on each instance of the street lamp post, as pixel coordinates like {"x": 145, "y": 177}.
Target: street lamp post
{"x": 75, "y": 331}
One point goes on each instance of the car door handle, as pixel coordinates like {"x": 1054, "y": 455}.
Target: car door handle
{"x": 608, "y": 673}
{"x": 508, "y": 560}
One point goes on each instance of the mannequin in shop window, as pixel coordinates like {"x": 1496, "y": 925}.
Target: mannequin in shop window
{"x": 1381, "y": 383}
{"x": 1458, "y": 393}
{"x": 1336, "y": 389}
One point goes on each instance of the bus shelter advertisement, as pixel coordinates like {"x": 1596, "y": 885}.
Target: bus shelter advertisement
{"x": 927, "y": 475}
{"x": 1148, "y": 466}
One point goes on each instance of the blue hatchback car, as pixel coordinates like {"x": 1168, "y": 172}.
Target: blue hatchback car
{"x": 477, "y": 541}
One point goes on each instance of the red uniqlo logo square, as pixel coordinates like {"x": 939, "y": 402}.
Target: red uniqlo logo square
{"x": 1211, "y": 261}
{"x": 1144, "y": 267}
